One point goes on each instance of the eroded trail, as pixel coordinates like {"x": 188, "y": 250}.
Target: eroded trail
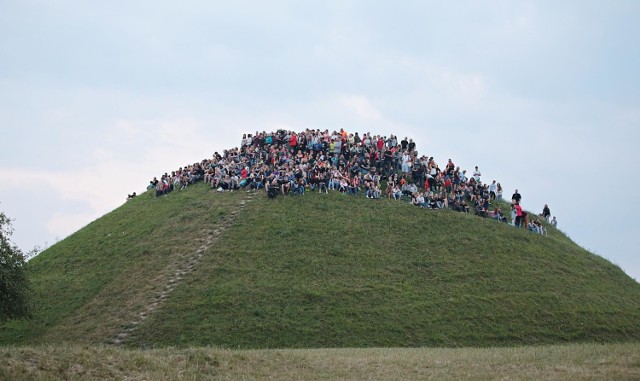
{"x": 181, "y": 267}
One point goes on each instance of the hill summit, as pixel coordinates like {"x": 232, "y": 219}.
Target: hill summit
{"x": 327, "y": 268}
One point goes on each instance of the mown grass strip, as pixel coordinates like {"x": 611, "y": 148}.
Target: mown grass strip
{"x": 557, "y": 362}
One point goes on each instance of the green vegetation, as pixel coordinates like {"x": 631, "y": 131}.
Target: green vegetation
{"x": 90, "y": 284}
{"x": 15, "y": 295}
{"x": 322, "y": 271}
{"x": 559, "y": 362}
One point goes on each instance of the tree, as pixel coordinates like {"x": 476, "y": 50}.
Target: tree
{"x": 15, "y": 290}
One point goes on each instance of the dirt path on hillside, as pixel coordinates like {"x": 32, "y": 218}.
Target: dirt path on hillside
{"x": 181, "y": 267}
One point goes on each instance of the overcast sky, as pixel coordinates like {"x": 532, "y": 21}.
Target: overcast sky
{"x": 96, "y": 98}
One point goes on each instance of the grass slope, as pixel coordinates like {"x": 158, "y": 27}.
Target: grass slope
{"x": 324, "y": 271}
{"x": 92, "y": 283}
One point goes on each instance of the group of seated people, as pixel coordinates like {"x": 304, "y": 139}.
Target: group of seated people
{"x": 288, "y": 162}
{"x": 535, "y": 226}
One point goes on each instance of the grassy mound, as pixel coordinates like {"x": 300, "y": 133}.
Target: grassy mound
{"x": 323, "y": 271}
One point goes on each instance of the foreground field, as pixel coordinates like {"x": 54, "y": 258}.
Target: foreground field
{"x": 566, "y": 362}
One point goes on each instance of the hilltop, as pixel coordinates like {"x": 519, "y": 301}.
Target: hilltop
{"x": 239, "y": 270}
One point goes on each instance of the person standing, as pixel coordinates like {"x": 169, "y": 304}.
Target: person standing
{"x": 493, "y": 188}
{"x": 404, "y": 143}
{"x": 477, "y": 174}
{"x": 546, "y": 212}
{"x": 518, "y": 209}
{"x": 516, "y": 197}
{"x": 411, "y": 146}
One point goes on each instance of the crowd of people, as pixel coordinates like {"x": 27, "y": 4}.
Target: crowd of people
{"x": 287, "y": 162}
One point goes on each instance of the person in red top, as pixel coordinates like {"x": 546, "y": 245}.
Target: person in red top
{"x": 293, "y": 142}
{"x": 447, "y": 184}
{"x": 518, "y": 215}
{"x": 380, "y": 144}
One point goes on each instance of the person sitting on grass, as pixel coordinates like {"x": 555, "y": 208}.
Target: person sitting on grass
{"x": 375, "y": 190}
{"x": 480, "y": 210}
{"x": 160, "y": 189}
{"x": 397, "y": 193}
{"x": 297, "y": 187}
{"x": 535, "y": 226}
{"x": 389, "y": 190}
{"x": 354, "y": 186}
{"x": 285, "y": 184}
{"x": 344, "y": 185}
{"x": 323, "y": 180}
{"x": 464, "y": 208}
{"x": 417, "y": 199}
{"x": 217, "y": 177}
{"x": 432, "y": 201}
{"x": 152, "y": 184}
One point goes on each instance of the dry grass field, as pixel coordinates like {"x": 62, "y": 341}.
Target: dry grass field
{"x": 556, "y": 362}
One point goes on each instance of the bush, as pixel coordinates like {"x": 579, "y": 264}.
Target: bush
{"x": 14, "y": 284}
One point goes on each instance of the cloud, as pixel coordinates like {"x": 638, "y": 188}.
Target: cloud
{"x": 63, "y": 224}
{"x": 134, "y": 152}
{"x": 466, "y": 88}
{"x": 360, "y": 106}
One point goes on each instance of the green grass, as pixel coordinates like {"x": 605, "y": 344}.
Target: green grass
{"x": 337, "y": 271}
{"x": 559, "y": 362}
{"x": 88, "y": 285}
{"x": 324, "y": 271}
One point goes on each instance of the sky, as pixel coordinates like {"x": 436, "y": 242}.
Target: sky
{"x": 97, "y": 98}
